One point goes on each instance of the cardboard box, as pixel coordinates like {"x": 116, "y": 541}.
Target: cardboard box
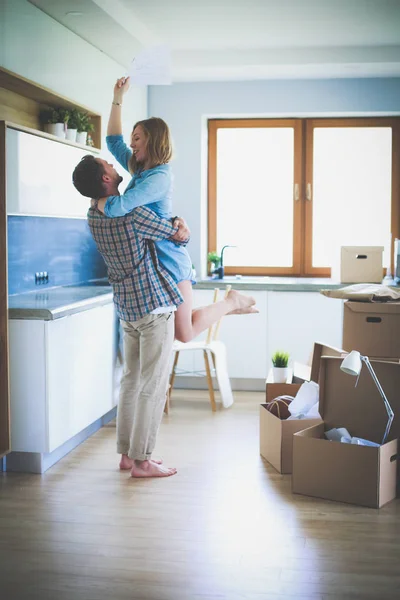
{"x": 361, "y": 264}
{"x": 276, "y": 436}
{"x": 372, "y": 328}
{"x": 273, "y": 390}
{"x": 360, "y": 475}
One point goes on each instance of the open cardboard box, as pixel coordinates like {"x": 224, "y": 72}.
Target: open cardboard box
{"x": 372, "y": 328}
{"x": 346, "y": 472}
{"x": 276, "y": 435}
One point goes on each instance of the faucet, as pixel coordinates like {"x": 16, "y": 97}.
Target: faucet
{"x": 220, "y": 271}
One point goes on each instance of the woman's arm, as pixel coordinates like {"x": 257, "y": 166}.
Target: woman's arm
{"x": 114, "y": 122}
{"x": 114, "y": 139}
{"x": 152, "y": 189}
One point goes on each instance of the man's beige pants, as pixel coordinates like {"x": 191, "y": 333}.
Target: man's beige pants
{"x": 147, "y": 352}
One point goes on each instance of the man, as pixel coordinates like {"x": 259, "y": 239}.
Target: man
{"x": 145, "y": 297}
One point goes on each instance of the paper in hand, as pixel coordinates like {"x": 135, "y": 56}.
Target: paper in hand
{"x": 152, "y": 66}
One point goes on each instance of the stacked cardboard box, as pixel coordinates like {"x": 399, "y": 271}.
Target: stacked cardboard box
{"x": 372, "y": 328}
{"x": 359, "y": 264}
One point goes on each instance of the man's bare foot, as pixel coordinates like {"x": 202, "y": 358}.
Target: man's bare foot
{"x": 127, "y": 463}
{"x": 147, "y": 468}
{"x": 241, "y": 304}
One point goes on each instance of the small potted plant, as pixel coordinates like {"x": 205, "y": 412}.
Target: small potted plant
{"x": 53, "y": 122}
{"x": 280, "y": 362}
{"x": 214, "y": 261}
{"x": 63, "y": 117}
{"x": 73, "y": 123}
{"x": 84, "y": 127}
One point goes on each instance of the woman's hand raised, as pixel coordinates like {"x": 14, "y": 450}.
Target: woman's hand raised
{"x": 120, "y": 88}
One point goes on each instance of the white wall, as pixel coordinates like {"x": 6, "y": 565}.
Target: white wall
{"x": 35, "y": 46}
{"x": 186, "y": 107}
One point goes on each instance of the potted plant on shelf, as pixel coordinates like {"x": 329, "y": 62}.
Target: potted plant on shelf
{"x": 73, "y": 123}
{"x": 214, "y": 261}
{"x": 63, "y": 117}
{"x": 280, "y": 362}
{"x": 85, "y": 127}
{"x": 53, "y": 121}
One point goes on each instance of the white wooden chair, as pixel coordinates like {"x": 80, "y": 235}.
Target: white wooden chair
{"x": 211, "y": 347}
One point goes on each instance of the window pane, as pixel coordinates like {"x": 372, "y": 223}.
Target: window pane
{"x": 255, "y": 196}
{"x": 352, "y": 191}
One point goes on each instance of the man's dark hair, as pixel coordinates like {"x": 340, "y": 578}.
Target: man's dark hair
{"x": 88, "y": 177}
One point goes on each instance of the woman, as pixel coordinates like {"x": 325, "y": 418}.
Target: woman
{"x": 147, "y": 160}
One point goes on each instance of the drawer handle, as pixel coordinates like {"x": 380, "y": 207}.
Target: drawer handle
{"x": 393, "y": 458}
{"x": 361, "y": 256}
{"x": 374, "y": 320}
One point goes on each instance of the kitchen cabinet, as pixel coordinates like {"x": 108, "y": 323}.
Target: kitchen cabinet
{"x": 290, "y": 321}
{"x": 245, "y": 337}
{"x": 61, "y": 377}
{"x": 40, "y": 187}
{"x": 298, "y": 319}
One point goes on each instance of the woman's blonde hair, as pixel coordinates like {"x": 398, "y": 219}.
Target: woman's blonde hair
{"x": 159, "y": 145}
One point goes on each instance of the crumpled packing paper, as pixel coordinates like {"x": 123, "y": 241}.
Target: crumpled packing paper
{"x": 305, "y": 404}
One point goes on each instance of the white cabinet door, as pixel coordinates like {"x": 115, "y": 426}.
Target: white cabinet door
{"x": 245, "y": 337}
{"x": 28, "y": 414}
{"x": 79, "y": 371}
{"x": 298, "y": 319}
{"x": 39, "y": 176}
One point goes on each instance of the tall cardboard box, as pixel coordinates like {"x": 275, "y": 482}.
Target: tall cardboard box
{"x": 372, "y": 328}
{"x": 276, "y": 435}
{"x": 361, "y": 264}
{"x": 360, "y": 475}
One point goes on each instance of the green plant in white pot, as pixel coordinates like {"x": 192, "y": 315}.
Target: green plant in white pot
{"x": 84, "y": 127}
{"x": 214, "y": 260}
{"x": 280, "y": 362}
{"x": 53, "y": 122}
{"x": 73, "y": 123}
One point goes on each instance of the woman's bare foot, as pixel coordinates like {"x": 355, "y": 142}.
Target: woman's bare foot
{"x": 148, "y": 468}
{"x": 244, "y": 311}
{"x": 241, "y": 304}
{"x": 127, "y": 463}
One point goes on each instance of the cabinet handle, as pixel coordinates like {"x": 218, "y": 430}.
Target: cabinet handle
{"x": 308, "y": 192}
{"x": 296, "y": 192}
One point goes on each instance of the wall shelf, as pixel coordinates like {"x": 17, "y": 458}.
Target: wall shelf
{"x": 49, "y": 136}
{"x": 22, "y": 100}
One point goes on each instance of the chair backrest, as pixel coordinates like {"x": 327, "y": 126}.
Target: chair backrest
{"x": 213, "y": 330}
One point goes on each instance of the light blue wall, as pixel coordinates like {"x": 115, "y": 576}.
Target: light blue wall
{"x": 185, "y": 107}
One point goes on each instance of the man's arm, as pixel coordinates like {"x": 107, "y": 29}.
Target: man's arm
{"x": 152, "y": 189}
{"x": 152, "y": 227}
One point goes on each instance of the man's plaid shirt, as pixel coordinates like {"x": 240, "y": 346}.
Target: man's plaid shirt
{"x": 140, "y": 283}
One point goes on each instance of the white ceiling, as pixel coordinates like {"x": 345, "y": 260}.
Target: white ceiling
{"x": 244, "y": 39}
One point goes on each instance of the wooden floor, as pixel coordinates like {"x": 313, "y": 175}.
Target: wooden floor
{"x": 225, "y": 527}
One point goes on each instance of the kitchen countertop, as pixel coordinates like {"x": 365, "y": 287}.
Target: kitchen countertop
{"x": 55, "y": 303}
{"x": 275, "y": 284}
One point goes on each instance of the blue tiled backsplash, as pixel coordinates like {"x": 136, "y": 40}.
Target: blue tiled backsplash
{"x": 62, "y": 247}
